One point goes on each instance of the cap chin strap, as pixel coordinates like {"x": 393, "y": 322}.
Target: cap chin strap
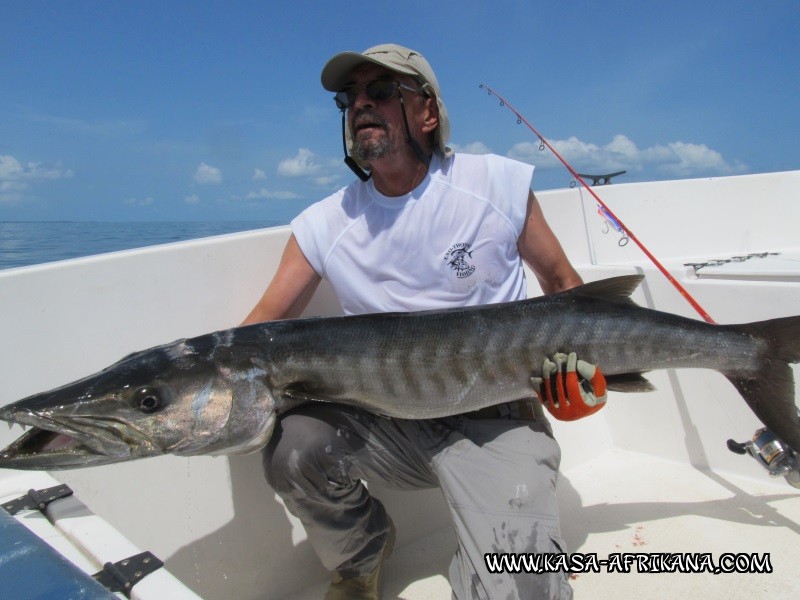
{"x": 349, "y": 160}
{"x": 415, "y": 147}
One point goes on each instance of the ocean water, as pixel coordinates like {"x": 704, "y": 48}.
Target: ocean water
{"x": 31, "y": 243}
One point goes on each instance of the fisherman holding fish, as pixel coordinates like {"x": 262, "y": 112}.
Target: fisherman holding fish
{"x": 423, "y": 228}
{"x": 386, "y": 398}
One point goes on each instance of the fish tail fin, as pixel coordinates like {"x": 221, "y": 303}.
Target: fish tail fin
{"x": 782, "y": 334}
{"x": 769, "y": 389}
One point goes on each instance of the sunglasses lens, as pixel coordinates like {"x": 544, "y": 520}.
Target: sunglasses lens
{"x": 344, "y": 99}
{"x": 379, "y": 90}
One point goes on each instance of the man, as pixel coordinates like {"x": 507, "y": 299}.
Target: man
{"x": 423, "y": 228}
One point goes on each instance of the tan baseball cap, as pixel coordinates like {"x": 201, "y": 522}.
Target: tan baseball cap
{"x": 396, "y": 58}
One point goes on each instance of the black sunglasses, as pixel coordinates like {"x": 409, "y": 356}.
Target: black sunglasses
{"x": 379, "y": 90}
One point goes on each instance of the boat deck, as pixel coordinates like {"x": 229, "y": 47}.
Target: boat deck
{"x": 626, "y": 502}
{"x": 628, "y": 484}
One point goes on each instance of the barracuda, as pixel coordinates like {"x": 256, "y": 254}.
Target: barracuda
{"x": 220, "y": 393}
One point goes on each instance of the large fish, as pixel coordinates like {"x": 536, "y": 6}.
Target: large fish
{"x": 221, "y": 393}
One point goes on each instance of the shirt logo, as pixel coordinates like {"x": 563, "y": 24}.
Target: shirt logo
{"x": 458, "y": 257}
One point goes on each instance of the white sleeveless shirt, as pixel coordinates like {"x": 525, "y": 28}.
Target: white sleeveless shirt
{"x": 452, "y": 241}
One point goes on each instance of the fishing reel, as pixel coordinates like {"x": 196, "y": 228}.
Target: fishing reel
{"x": 772, "y": 453}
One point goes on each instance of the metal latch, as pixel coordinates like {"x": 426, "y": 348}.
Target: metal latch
{"x": 124, "y": 574}
{"x": 37, "y": 499}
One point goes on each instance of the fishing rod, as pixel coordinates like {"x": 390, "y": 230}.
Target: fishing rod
{"x": 769, "y": 451}
{"x": 604, "y": 207}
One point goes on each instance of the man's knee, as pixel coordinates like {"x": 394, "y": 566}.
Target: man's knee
{"x": 299, "y": 448}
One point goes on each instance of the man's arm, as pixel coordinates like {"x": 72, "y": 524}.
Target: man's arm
{"x": 290, "y": 290}
{"x": 540, "y": 248}
{"x": 569, "y": 388}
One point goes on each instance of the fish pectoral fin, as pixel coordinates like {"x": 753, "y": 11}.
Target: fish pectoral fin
{"x": 301, "y": 397}
{"x": 628, "y": 383}
{"x": 292, "y": 397}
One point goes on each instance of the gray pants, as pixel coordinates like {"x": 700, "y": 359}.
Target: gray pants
{"x": 497, "y": 475}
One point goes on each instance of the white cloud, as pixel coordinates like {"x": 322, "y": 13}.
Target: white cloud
{"x": 11, "y": 169}
{"x": 303, "y": 164}
{"x": 207, "y": 175}
{"x": 680, "y": 159}
{"x": 11, "y": 192}
{"x": 192, "y": 200}
{"x": 13, "y": 186}
{"x": 622, "y": 146}
{"x": 258, "y": 175}
{"x": 471, "y": 148}
{"x": 323, "y": 172}
{"x": 16, "y": 177}
{"x": 264, "y": 193}
{"x": 326, "y": 180}
{"x": 529, "y": 152}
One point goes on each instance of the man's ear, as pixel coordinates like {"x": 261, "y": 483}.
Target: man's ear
{"x": 430, "y": 119}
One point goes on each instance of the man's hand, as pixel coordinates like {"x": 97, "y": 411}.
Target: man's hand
{"x": 569, "y": 388}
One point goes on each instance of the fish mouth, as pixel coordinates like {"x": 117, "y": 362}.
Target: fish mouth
{"x": 64, "y": 443}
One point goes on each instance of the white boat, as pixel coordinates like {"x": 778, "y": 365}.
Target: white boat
{"x": 650, "y": 475}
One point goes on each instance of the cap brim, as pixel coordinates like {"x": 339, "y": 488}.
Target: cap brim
{"x": 337, "y": 70}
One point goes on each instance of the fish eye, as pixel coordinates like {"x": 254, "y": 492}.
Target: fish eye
{"x": 147, "y": 400}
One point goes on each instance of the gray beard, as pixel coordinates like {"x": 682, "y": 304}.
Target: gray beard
{"x": 371, "y": 149}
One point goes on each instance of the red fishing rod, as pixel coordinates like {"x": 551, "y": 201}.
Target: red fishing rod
{"x": 681, "y": 290}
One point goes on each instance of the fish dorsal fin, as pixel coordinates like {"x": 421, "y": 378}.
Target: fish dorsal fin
{"x": 615, "y": 289}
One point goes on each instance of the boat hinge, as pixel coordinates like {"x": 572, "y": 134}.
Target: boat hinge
{"x": 37, "y": 499}
{"x": 121, "y": 576}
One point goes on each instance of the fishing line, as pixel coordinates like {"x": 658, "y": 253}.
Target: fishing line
{"x": 604, "y": 207}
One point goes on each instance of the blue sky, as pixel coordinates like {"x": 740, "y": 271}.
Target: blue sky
{"x": 213, "y": 110}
